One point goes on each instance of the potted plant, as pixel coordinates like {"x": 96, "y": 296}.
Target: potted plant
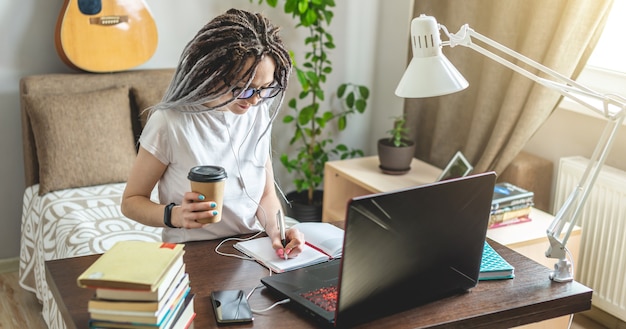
{"x": 313, "y": 125}
{"x": 395, "y": 153}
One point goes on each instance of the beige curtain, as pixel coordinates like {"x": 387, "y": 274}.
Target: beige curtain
{"x": 491, "y": 121}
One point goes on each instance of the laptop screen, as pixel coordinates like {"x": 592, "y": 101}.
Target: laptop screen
{"x": 412, "y": 246}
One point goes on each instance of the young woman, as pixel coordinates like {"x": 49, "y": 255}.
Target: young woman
{"x": 218, "y": 110}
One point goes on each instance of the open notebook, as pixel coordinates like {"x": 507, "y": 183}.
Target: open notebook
{"x": 324, "y": 242}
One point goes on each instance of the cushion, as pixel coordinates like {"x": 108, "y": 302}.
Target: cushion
{"x": 82, "y": 139}
{"x": 144, "y": 98}
{"x": 533, "y": 173}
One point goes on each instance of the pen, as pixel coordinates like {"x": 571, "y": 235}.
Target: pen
{"x": 281, "y": 228}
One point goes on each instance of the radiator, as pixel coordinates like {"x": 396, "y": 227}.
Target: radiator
{"x": 602, "y": 257}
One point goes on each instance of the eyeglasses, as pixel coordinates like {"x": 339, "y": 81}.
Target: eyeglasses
{"x": 264, "y": 92}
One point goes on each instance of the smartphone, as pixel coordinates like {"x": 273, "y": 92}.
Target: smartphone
{"x": 231, "y": 306}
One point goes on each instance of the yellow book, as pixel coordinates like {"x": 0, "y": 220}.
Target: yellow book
{"x": 507, "y": 215}
{"x": 139, "y": 265}
{"x": 115, "y": 294}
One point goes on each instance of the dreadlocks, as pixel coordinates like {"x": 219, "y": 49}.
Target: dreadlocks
{"x": 212, "y": 63}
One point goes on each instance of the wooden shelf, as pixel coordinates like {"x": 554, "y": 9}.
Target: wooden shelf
{"x": 346, "y": 179}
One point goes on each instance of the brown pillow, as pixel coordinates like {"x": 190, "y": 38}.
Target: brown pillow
{"x": 82, "y": 139}
{"x": 144, "y": 98}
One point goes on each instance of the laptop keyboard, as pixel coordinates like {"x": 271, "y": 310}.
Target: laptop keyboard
{"x": 325, "y": 297}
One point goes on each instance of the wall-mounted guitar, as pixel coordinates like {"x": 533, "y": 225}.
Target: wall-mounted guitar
{"x": 105, "y": 35}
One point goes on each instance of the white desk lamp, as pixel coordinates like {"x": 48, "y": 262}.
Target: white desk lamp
{"x": 431, "y": 74}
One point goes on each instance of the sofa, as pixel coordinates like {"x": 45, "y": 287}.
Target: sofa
{"x": 79, "y": 135}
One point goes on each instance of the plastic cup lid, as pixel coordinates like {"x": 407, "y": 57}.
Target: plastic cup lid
{"x": 207, "y": 174}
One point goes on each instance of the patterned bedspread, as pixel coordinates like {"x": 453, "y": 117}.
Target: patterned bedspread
{"x": 69, "y": 223}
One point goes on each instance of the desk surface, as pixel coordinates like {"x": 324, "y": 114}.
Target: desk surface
{"x": 528, "y": 298}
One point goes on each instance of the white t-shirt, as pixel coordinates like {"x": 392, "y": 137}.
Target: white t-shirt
{"x": 238, "y": 143}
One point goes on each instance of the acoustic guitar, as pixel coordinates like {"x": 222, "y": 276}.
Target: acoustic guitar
{"x": 105, "y": 35}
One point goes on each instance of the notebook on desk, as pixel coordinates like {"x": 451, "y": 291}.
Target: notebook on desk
{"x": 401, "y": 249}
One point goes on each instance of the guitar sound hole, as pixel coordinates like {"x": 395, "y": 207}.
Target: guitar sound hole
{"x": 90, "y": 7}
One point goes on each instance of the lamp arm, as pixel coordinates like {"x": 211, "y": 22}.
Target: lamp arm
{"x": 570, "y": 212}
{"x": 564, "y": 85}
{"x": 613, "y": 108}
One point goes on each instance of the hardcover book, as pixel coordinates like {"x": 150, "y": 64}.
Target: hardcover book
{"x": 175, "y": 274}
{"x": 493, "y": 266}
{"x": 511, "y": 208}
{"x": 512, "y": 221}
{"x": 509, "y": 195}
{"x": 324, "y": 242}
{"x": 156, "y": 318}
{"x": 175, "y": 290}
{"x": 505, "y": 216}
{"x": 139, "y": 265}
{"x": 181, "y": 318}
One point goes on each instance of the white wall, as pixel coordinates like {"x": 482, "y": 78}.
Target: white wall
{"x": 568, "y": 133}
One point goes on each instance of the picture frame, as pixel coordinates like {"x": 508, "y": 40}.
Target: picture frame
{"x": 458, "y": 166}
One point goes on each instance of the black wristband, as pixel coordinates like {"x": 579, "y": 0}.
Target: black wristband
{"x": 167, "y": 215}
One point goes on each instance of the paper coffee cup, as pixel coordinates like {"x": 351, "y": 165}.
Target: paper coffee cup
{"x": 209, "y": 181}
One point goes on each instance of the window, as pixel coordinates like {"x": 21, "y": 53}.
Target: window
{"x": 605, "y": 71}
{"x": 610, "y": 52}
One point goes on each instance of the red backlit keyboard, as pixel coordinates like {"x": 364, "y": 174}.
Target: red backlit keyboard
{"x": 325, "y": 297}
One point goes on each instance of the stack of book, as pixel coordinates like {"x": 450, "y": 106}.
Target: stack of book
{"x": 511, "y": 205}
{"x": 139, "y": 284}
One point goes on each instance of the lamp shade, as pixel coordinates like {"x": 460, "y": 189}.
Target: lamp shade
{"x": 429, "y": 73}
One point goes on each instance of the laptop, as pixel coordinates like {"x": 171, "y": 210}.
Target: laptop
{"x": 401, "y": 249}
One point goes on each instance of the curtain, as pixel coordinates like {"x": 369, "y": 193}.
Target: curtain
{"x": 491, "y": 121}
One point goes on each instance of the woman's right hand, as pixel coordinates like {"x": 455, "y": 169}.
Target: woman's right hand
{"x": 194, "y": 207}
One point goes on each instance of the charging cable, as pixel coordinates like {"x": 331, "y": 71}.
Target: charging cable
{"x": 235, "y": 239}
{"x": 284, "y": 301}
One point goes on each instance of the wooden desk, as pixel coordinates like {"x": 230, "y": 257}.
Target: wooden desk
{"x": 530, "y": 297}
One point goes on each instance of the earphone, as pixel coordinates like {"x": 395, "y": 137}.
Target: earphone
{"x": 240, "y": 178}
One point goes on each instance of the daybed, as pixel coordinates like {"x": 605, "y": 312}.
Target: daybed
{"x": 79, "y": 139}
